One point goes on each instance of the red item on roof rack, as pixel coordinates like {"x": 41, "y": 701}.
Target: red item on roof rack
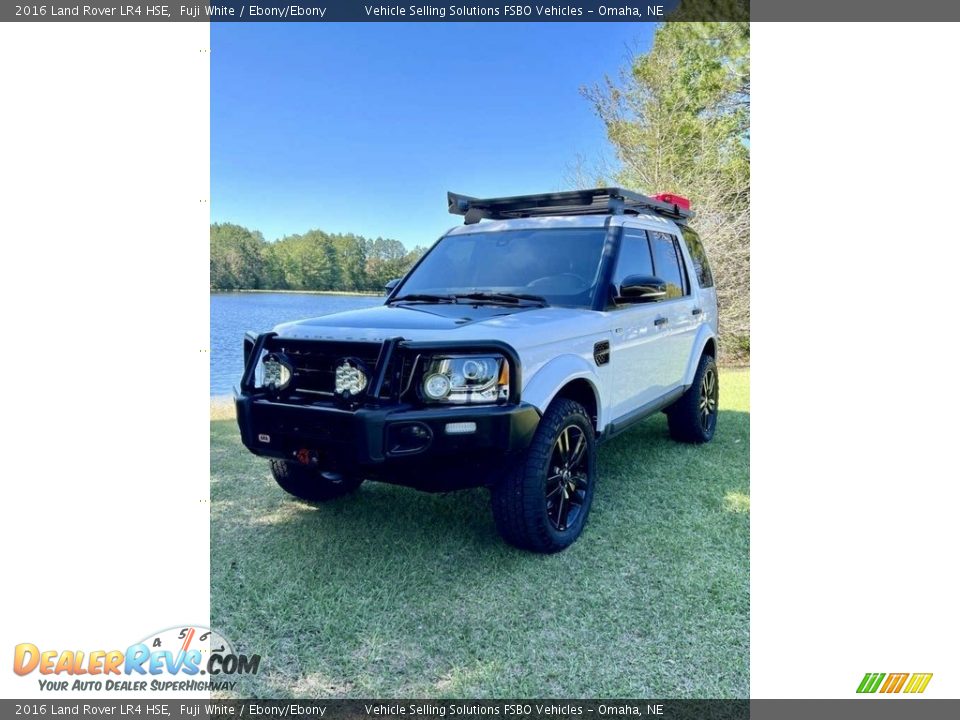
{"x": 678, "y": 200}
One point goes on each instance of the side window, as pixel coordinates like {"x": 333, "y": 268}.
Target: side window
{"x": 666, "y": 263}
{"x": 699, "y": 257}
{"x": 634, "y": 256}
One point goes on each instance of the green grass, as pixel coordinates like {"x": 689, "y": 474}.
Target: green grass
{"x": 397, "y": 593}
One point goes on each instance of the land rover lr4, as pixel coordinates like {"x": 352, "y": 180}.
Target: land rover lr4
{"x": 502, "y": 359}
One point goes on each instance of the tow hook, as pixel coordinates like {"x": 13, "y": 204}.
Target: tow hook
{"x": 305, "y": 456}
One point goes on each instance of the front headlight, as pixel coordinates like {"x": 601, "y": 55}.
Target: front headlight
{"x": 276, "y": 372}
{"x": 466, "y": 379}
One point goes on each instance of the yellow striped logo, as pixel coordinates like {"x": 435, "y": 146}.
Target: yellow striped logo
{"x": 913, "y": 683}
{"x": 918, "y": 682}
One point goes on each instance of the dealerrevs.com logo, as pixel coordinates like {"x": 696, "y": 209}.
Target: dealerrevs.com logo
{"x": 894, "y": 683}
{"x": 184, "y": 658}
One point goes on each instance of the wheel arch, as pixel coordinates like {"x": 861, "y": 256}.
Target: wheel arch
{"x": 710, "y": 348}
{"x": 582, "y": 391}
{"x": 568, "y": 376}
{"x": 705, "y": 344}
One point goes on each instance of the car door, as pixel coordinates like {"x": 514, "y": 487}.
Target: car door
{"x": 638, "y": 364}
{"x": 679, "y": 313}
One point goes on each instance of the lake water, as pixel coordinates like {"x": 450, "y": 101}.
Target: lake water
{"x": 232, "y": 314}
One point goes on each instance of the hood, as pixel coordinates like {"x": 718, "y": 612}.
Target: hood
{"x": 444, "y": 321}
{"x": 387, "y": 320}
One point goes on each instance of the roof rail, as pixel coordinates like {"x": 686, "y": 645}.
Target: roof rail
{"x": 596, "y": 201}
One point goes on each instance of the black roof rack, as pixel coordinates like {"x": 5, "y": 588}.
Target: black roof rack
{"x": 596, "y": 201}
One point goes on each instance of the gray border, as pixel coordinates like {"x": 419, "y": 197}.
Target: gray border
{"x": 585, "y": 11}
{"x": 873, "y": 708}
{"x": 888, "y": 707}
{"x": 854, "y": 10}
{"x": 354, "y": 11}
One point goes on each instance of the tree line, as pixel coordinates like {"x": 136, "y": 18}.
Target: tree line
{"x": 241, "y": 259}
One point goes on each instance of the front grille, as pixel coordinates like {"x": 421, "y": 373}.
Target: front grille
{"x": 315, "y": 363}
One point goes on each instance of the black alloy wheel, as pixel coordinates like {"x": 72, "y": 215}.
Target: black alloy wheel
{"x": 543, "y": 502}
{"x": 709, "y": 399}
{"x": 693, "y": 417}
{"x": 567, "y": 479}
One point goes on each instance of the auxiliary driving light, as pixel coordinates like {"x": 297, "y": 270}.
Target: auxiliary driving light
{"x": 277, "y": 372}
{"x": 350, "y": 378}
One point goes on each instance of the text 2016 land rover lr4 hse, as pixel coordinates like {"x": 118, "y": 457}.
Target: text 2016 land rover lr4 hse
{"x": 503, "y": 358}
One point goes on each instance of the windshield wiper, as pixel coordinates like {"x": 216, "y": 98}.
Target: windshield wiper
{"x": 504, "y": 298}
{"x": 424, "y": 297}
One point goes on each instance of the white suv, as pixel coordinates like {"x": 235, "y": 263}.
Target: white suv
{"x": 509, "y": 351}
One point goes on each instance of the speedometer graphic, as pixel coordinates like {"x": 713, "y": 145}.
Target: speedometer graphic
{"x": 183, "y": 642}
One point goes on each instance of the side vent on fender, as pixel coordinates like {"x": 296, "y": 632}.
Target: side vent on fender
{"x": 601, "y": 352}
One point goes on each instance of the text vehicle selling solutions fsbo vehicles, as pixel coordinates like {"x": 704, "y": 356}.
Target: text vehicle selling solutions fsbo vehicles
{"x": 502, "y": 359}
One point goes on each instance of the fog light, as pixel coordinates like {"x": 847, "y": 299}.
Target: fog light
{"x": 408, "y": 437}
{"x": 460, "y": 428}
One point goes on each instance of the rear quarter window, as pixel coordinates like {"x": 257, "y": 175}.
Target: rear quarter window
{"x": 700, "y": 264}
{"x": 666, "y": 263}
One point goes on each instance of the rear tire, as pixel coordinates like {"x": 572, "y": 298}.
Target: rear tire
{"x": 693, "y": 418}
{"x": 543, "y": 502}
{"x": 311, "y": 483}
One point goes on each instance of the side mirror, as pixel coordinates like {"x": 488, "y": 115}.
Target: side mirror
{"x": 391, "y": 285}
{"x": 641, "y": 289}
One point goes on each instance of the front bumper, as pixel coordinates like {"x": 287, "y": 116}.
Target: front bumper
{"x": 371, "y": 437}
{"x": 386, "y": 433}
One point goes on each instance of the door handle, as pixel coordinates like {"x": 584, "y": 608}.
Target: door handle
{"x": 696, "y": 311}
{"x": 660, "y": 321}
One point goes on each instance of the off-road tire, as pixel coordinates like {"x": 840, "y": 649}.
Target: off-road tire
{"x": 522, "y": 508}
{"x": 693, "y": 418}
{"x": 311, "y": 483}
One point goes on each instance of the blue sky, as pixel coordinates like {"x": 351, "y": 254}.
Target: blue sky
{"x": 364, "y": 127}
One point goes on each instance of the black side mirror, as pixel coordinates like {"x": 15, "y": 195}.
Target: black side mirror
{"x": 641, "y": 289}
{"x": 391, "y": 285}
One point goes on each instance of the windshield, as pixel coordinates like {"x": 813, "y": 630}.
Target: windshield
{"x": 561, "y": 266}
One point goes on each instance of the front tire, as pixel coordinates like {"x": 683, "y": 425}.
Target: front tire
{"x": 311, "y": 483}
{"x": 693, "y": 418}
{"x": 543, "y": 502}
